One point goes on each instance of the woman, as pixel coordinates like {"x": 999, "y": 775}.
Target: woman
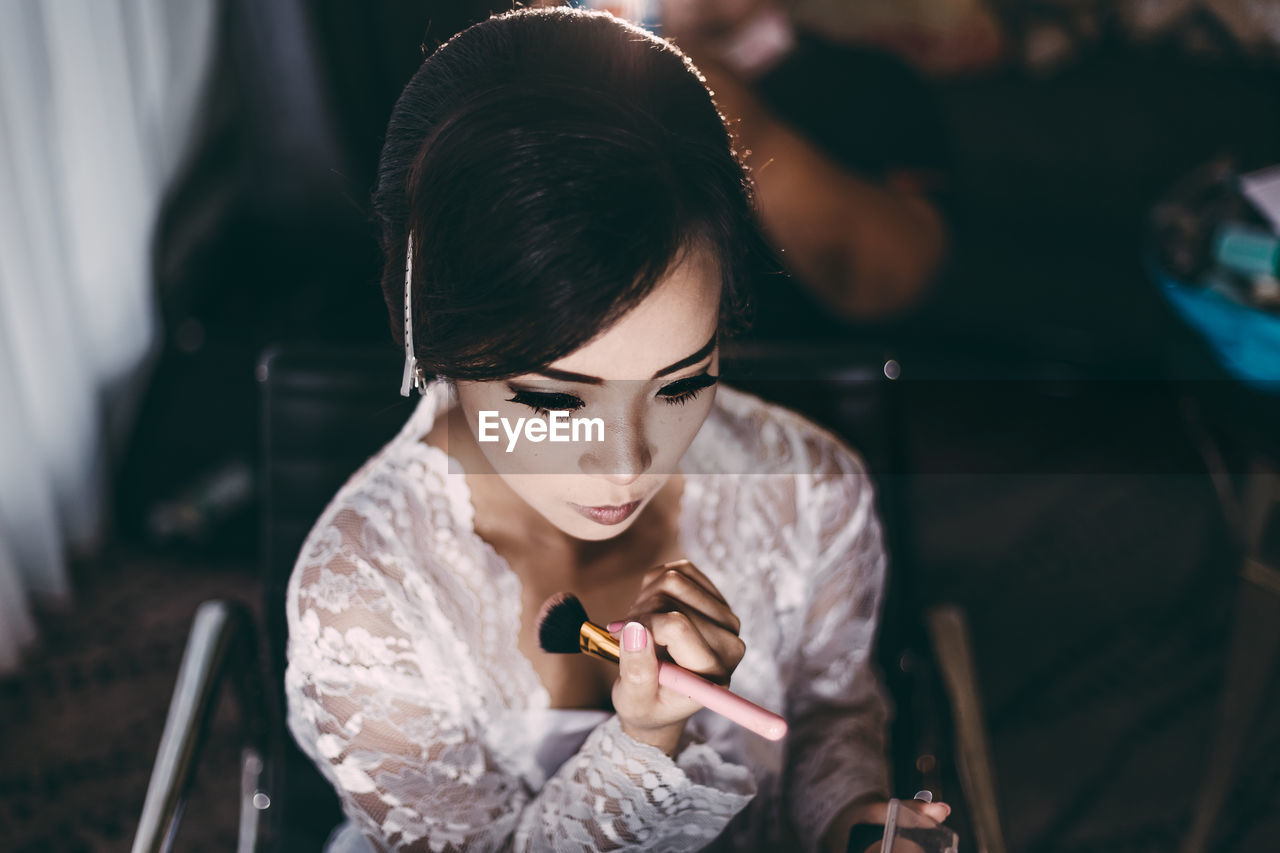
{"x": 565, "y": 224}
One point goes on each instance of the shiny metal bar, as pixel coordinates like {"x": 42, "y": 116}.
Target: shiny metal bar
{"x": 953, "y": 651}
{"x": 222, "y": 642}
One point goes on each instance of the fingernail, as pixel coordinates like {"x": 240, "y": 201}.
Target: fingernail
{"x": 614, "y": 627}
{"x": 634, "y": 637}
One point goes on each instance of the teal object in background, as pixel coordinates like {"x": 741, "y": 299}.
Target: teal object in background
{"x": 1246, "y": 340}
{"x": 1250, "y": 251}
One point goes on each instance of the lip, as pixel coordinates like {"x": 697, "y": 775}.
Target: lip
{"x": 607, "y": 515}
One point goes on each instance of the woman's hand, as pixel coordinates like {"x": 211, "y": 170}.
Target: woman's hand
{"x": 678, "y": 615}
{"x": 924, "y": 815}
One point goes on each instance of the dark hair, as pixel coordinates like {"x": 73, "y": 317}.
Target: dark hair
{"x": 552, "y": 165}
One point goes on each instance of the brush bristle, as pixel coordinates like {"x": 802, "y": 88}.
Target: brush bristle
{"x": 559, "y": 623}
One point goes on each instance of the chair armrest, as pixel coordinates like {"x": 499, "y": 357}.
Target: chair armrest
{"x": 953, "y": 651}
{"x": 223, "y": 641}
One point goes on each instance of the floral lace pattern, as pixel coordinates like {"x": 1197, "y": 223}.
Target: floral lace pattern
{"x": 405, "y": 687}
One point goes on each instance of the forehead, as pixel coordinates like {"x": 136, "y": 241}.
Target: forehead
{"x": 676, "y": 319}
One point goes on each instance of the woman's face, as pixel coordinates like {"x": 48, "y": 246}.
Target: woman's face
{"x": 649, "y": 380}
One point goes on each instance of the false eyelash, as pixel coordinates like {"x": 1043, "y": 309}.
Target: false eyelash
{"x": 676, "y": 394}
{"x": 543, "y": 404}
{"x": 685, "y": 390}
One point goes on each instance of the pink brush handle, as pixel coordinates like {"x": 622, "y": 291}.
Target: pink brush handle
{"x": 747, "y": 714}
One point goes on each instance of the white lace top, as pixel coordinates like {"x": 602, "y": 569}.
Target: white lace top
{"x": 406, "y": 686}
{"x": 554, "y": 734}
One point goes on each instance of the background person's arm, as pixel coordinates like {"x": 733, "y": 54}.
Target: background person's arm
{"x": 865, "y": 247}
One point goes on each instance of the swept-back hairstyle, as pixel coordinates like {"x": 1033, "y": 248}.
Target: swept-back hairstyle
{"x": 552, "y": 165}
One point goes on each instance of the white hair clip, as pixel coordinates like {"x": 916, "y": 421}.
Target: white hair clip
{"x": 413, "y": 375}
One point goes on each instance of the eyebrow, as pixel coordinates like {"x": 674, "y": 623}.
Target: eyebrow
{"x": 693, "y": 358}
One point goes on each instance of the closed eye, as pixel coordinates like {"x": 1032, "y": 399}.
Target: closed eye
{"x": 543, "y": 403}
{"x": 682, "y": 391}
{"x": 676, "y": 394}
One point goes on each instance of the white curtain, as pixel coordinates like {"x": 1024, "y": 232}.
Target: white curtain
{"x": 96, "y": 97}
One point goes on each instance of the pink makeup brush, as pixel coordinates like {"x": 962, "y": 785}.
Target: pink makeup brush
{"x": 563, "y": 628}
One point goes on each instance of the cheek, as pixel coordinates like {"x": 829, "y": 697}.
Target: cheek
{"x": 534, "y": 459}
{"x": 675, "y": 430}
{"x": 535, "y": 489}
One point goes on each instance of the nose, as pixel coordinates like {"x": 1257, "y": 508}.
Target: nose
{"x": 621, "y": 458}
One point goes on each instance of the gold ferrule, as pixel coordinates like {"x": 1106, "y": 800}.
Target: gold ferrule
{"x": 594, "y": 640}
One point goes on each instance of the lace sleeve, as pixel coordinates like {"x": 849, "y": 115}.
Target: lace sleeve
{"x": 395, "y": 731}
{"x": 836, "y": 706}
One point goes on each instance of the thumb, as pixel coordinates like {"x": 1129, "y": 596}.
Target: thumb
{"x": 638, "y": 666}
{"x": 937, "y": 811}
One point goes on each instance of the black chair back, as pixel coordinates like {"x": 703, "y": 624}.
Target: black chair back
{"x": 324, "y": 412}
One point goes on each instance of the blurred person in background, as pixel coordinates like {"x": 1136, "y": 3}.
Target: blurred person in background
{"x": 848, "y": 151}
